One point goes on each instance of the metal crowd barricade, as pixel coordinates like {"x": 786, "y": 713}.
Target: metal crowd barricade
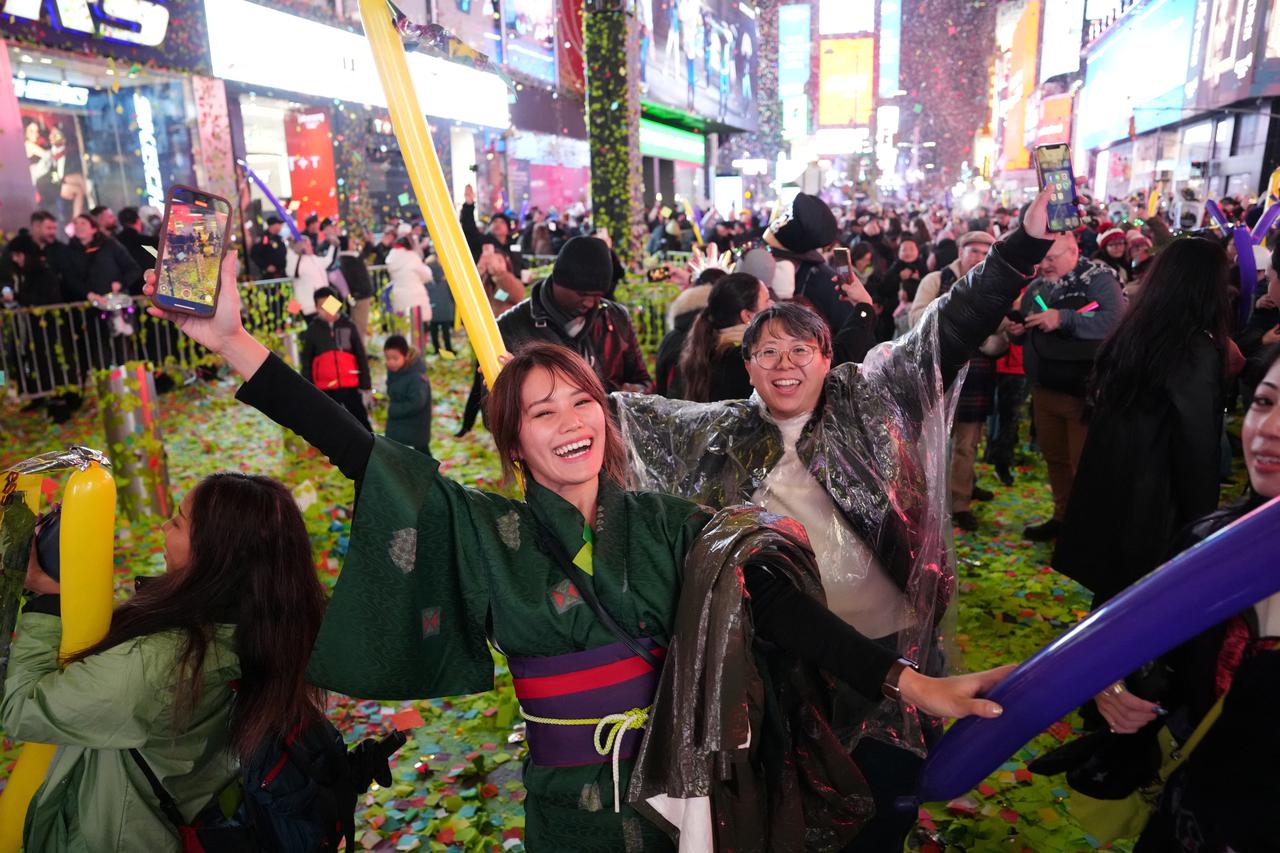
{"x": 56, "y": 349}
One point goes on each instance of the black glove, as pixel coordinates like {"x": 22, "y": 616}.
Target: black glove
{"x": 370, "y": 760}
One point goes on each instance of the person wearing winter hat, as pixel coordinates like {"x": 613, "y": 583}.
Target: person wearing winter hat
{"x": 1113, "y": 251}
{"x": 1141, "y": 254}
{"x": 570, "y": 308}
{"x": 801, "y": 273}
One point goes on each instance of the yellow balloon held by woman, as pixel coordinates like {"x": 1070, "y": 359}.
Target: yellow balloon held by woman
{"x": 86, "y": 540}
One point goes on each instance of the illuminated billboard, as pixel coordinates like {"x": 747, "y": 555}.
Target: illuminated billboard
{"x": 530, "y": 30}
{"x": 846, "y": 76}
{"x": 1020, "y": 83}
{"x": 890, "y": 47}
{"x": 838, "y": 17}
{"x": 1054, "y": 125}
{"x": 794, "y": 68}
{"x": 1063, "y": 31}
{"x": 1113, "y": 95}
{"x": 1227, "y": 55}
{"x": 701, "y": 57}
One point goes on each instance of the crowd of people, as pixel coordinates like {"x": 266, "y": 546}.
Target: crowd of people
{"x": 774, "y": 501}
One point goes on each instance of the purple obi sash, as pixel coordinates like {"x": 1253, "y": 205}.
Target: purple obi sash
{"x": 581, "y": 689}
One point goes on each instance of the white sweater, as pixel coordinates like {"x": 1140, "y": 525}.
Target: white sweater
{"x": 858, "y": 589}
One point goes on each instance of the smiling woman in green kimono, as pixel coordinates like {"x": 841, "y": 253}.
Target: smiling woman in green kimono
{"x": 437, "y": 571}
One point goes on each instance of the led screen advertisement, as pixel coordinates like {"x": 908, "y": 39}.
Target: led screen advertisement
{"x": 165, "y": 33}
{"x": 838, "y": 17}
{"x": 700, "y": 56}
{"x": 309, "y": 143}
{"x": 846, "y": 76}
{"x": 1063, "y": 31}
{"x": 794, "y": 68}
{"x": 1227, "y": 54}
{"x": 1113, "y": 95}
{"x": 1054, "y": 125}
{"x": 1020, "y": 83}
{"x": 476, "y": 22}
{"x": 530, "y": 27}
{"x": 890, "y": 47}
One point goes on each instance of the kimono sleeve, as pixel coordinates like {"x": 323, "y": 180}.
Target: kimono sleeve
{"x": 407, "y": 619}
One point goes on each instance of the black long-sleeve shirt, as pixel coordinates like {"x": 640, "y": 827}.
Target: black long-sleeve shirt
{"x": 783, "y": 615}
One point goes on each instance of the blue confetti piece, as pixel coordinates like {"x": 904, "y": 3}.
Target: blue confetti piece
{"x": 466, "y": 811}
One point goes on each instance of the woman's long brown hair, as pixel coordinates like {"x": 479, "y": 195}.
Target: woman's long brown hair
{"x": 504, "y": 408}
{"x": 249, "y": 561}
{"x": 729, "y": 297}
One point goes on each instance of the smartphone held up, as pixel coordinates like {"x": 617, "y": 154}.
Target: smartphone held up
{"x": 1053, "y": 166}
{"x": 193, "y": 241}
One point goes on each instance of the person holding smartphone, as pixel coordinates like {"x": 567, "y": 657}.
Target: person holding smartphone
{"x": 1071, "y": 307}
{"x": 856, "y": 453}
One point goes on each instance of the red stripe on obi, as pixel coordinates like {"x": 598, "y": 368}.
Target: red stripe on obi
{"x": 547, "y": 686}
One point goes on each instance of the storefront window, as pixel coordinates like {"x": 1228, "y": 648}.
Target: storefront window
{"x": 96, "y": 134}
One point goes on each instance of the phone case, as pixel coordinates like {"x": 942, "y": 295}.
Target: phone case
{"x": 156, "y": 298}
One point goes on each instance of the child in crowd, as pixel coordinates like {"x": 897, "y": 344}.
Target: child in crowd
{"x": 409, "y": 395}
{"x": 333, "y": 356}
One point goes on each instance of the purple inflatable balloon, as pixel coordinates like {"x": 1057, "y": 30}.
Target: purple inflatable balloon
{"x": 1196, "y": 590}
{"x": 1248, "y": 270}
{"x": 1215, "y": 213}
{"x": 280, "y": 208}
{"x": 1265, "y": 222}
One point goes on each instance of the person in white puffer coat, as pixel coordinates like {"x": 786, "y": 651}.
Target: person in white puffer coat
{"x": 308, "y": 274}
{"x": 409, "y": 277}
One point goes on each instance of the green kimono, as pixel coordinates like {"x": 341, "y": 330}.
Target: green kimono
{"x": 436, "y": 570}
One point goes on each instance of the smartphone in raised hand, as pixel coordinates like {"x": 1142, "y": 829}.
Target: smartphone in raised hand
{"x": 1053, "y": 166}
{"x": 842, "y": 262}
{"x": 193, "y": 241}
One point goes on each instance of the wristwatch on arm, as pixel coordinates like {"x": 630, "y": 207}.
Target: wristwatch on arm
{"x": 890, "y": 687}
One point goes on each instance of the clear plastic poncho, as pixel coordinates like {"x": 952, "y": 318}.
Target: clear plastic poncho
{"x": 878, "y": 448}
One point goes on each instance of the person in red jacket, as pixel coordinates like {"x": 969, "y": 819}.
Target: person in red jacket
{"x": 333, "y": 357}
{"x": 1011, "y": 398}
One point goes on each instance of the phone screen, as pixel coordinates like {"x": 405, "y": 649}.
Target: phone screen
{"x": 194, "y": 239}
{"x": 841, "y": 261}
{"x": 1053, "y": 162}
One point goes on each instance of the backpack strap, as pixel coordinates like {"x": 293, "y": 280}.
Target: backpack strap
{"x": 167, "y": 804}
{"x": 1183, "y": 751}
{"x": 555, "y": 548}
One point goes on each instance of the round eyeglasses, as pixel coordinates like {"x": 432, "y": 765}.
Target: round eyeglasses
{"x": 770, "y": 358}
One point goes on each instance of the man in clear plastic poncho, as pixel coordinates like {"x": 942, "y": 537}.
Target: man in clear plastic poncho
{"x": 858, "y": 454}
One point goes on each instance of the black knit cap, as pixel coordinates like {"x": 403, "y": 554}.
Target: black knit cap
{"x": 808, "y": 225}
{"x": 584, "y": 264}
